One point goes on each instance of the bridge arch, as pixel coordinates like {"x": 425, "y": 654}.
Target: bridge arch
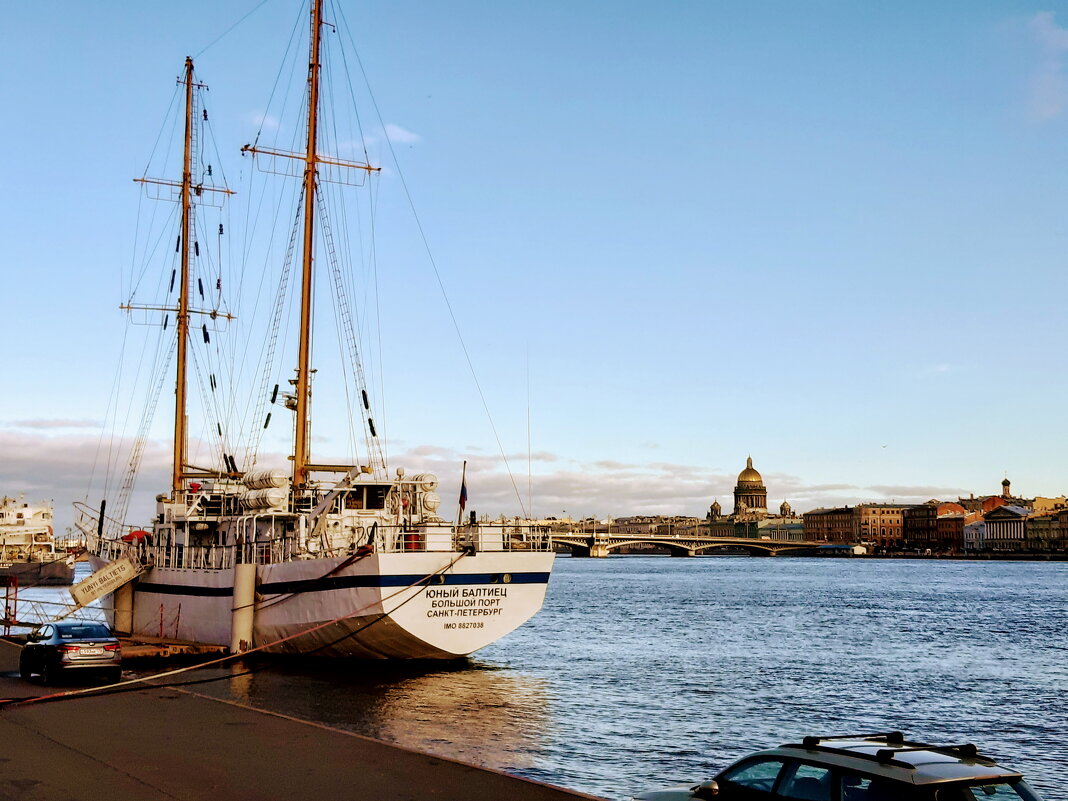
{"x": 675, "y": 547}
{"x": 575, "y": 548}
{"x": 752, "y": 549}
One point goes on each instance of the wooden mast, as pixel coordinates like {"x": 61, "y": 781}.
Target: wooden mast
{"x": 187, "y": 191}
{"x": 180, "y": 434}
{"x": 302, "y": 464}
{"x": 302, "y": 438}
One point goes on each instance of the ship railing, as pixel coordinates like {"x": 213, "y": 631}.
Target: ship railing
{"x": 382, "y": 539}
{"x": 481, "y": 537}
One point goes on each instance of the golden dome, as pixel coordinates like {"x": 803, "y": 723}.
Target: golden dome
{"x": 750, "y": 475}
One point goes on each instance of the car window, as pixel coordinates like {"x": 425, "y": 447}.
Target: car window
{"x": 855, "y": 787}
{"x": 44, "y": 633}
{"x": 807, "y": 783}
{"x": 757, "y": 775}
{"x": 83, "y": 631}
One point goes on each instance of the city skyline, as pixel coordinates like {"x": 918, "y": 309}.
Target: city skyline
{"x": 830, "y": 238}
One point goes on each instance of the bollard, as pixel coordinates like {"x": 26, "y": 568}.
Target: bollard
{"x": 244, "y": 612}
{"x": 123, "y": 598}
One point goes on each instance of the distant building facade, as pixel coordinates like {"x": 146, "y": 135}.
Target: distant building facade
{"x": 1042, "y": 505}
{"x": 1005, "y": 528}
{"x": 880, "y": 525}
{"x": 833, "y": 525}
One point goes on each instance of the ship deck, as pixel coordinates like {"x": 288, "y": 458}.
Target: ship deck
{"x": 170, "y": 744}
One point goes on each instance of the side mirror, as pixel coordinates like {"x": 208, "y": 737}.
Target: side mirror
{"x": 706, "y": 790}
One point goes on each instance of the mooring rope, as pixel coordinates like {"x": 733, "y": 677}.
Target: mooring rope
{"x": 131, "y": 685}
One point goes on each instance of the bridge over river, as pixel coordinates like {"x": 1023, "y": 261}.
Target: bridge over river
{"x": 601, "y": 544}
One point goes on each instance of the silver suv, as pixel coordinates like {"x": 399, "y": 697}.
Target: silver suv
{"x": 860, "y": 767}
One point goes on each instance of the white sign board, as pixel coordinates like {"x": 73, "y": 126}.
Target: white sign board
{"x": 106, "y": 579}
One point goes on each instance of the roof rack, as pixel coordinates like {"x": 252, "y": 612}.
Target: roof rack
{"x": 889, "y": 755}
{"x": 830, "y": 749}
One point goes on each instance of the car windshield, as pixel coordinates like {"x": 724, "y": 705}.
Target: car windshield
{"x": 83, "y": 631}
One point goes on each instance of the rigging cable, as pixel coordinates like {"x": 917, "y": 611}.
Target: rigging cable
{"x": 218, "y": 38}
{"x": 372, "y": 256}
{"x": 437, "y": 275}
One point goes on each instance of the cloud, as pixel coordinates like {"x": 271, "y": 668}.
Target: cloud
{"x": 70, "y": 467}
{"x": 1049, "y": 85}
{"x": 51, "y": 462}
{"x": 911, "y": 492}
{"x": 609, "y": 465}
{"x": 265, "y": 121}
{"x": 53, "y": 424}
{"x": 401, "y": 136}
{"x": 394, "y": 133}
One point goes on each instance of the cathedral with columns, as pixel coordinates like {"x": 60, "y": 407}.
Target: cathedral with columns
{"x": 750, "y": 504}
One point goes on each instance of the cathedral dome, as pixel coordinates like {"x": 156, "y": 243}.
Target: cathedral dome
{"x": 750, "y": 496}
{"x": 750, "y": 476}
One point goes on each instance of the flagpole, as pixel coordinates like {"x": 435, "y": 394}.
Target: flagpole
{"x": 463, "y": 496}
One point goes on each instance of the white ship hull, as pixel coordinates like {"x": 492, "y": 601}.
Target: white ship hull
{"x": 383, "y": 606}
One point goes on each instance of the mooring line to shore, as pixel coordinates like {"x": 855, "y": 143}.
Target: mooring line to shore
{"x": 141, "y": 683}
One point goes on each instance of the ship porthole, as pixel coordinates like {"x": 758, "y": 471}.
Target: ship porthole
{"x": 506, "y": 578}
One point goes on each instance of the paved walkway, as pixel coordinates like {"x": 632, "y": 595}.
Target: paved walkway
{"x": 173, "y": 744}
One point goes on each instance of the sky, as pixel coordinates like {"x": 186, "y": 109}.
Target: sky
{"x": 827, "y": 235}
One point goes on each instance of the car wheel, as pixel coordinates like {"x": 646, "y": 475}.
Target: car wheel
{"x": 24, "y": 667}
{"x": 48, "y": 673}
{"x": 113, "y": 676}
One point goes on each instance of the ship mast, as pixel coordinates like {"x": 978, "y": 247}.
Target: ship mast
{"x": 302, "y": 464}
{"x": 180, "y": 416}
{"x": 302, "y": 439}
{"x": 186, "y": 192}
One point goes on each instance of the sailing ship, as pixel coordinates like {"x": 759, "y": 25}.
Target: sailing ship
{"x": 343, "y": 560}
{"x": 28, "y": 545}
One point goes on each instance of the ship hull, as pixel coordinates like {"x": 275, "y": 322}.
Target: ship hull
{"x": 57, "y": 573}
{"x": 425, "y": 605}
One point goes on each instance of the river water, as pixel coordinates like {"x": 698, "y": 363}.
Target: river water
{"x": 645, "y": 671}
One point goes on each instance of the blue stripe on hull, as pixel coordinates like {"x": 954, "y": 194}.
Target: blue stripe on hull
{"x": 347, "y": 582}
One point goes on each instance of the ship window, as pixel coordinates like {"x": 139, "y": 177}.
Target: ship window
{"x": 354, "y": 498}
{"x": 376, "y": 497}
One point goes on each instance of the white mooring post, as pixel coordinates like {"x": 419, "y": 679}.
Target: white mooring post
{"x": 123, "y": 598}
{"x": 244, "y": 609}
